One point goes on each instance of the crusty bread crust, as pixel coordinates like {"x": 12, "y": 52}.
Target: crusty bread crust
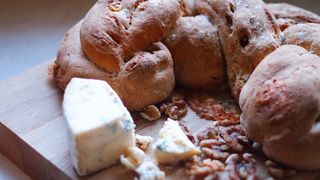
{"x": 304, "y": 35}
{"x": 198, "y": 58}
{"x": 281, "y": 105}
{"x": 248, "y": 32}
{"x": 188, "y": 8}
{"x": 287, "y": 15}
{"x": 146, "y": 79}
{"x": 111, "y": 35}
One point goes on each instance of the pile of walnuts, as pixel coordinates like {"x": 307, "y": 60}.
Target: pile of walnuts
{"x": 223, "y": 151}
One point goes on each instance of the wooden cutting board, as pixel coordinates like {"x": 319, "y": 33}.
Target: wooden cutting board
{"x": 34, "y": 136}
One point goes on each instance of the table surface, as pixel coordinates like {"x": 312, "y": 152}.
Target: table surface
{"x": 30, "y": 33}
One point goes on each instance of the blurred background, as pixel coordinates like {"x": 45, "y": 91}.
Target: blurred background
{"x": 31, "y": 30}
{"x": 30, "y": 33}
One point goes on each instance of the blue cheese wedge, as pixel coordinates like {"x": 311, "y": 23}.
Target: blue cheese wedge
{"x": 173, "y": 145}
{"x": 101, "y": 128}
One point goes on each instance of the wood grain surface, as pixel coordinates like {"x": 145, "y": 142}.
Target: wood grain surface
{"x": 34, "y": 132}
{"x": 34, "y": 135}
{"x": 8, "y": 171}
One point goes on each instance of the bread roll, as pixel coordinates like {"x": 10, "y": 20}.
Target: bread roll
{"x": 146, "y": 79}
{"x": 114, "y": 31}
{"x": 281, "y": 107}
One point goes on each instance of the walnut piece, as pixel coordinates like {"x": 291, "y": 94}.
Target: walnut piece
{"x": 151, "y": 113}
{"x": 207, "y": 167}
{"x": 216, "y": 150}
{"x": 241, "y": 166}
{"x": 176, "y": 109}
{"x": 234, "y": 137}
{"x": 188, "y": 133}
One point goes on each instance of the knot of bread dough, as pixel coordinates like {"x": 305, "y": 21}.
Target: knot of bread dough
{"x": 240, "y": 32}
{"x": 248, "y": 32}
{"x": 118, "y": 41}
{"x": 281, "y": 107}
{"x": 198, "y": 58}
{"x": 112, "y": 34}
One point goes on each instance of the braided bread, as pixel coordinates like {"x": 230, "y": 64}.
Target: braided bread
{"x": 142, "y": 47}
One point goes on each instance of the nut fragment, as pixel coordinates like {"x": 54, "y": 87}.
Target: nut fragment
{"x": 235, "y": 138}
{"x": 188, "y": 133}
{"x": 278, "y": 171}
{"x": 151, "y": 113}
{"x": 241, "y": 167}
{"x": 143, "y": 142}
{"x": 210, "y": 133}
{"x": 176, "y": 109}
{"x": 115, "y": 6}
{"x": 215, "y": 153}
{"x": 213, "y": 108}
{"x": 207, "y": 167}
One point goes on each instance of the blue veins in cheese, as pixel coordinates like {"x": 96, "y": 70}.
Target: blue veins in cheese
{"x": 101, "y": 128}
{"x": 173, "y": 145}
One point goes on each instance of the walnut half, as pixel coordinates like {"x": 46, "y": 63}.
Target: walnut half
{"x": 151, "y": 113}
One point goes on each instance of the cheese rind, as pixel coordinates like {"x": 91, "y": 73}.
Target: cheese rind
{"x": 101, "y": 128}
{"x": 173, "y": 145}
